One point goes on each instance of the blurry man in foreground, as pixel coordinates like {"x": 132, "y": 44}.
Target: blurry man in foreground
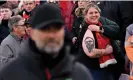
{"x": 45, "y": 56}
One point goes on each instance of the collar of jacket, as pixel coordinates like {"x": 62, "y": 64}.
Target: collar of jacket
{"x": 16, "y": 38}
{"x": 60, "y": 66}
{"x": 47, "y": 60}
{"x": 26, "y": 12}
{"x": 37, "y": 62}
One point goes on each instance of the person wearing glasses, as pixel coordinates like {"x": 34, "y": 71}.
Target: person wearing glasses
{"x": 12, "y": 43}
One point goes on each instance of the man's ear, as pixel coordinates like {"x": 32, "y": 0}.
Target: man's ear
{"x": 14, "y": 29}
{"x": 11, "y": 13}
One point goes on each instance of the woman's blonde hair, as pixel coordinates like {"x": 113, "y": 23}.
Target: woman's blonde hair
{"x": 90, "y": 6}
{"x": 79, "y": 12}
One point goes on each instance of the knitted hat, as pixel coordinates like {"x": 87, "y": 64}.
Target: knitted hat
{"x": 45, "y": 15}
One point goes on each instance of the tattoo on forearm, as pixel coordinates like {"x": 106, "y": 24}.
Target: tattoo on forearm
{"x": 89, "y": 43}
{"x": 97, "y": 55}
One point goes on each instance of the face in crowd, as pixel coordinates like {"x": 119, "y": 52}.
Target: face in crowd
{"x": 29, "y": 5}
{"x": 28, "y": 28}
{"x": 5, "y": 13}
{"x": 15, "y": 3}
{"x": 49, "y": 40}
{"x": 20, "y": 28}
{"x": 93, "y": 14}
{"x": 82, "y": 3}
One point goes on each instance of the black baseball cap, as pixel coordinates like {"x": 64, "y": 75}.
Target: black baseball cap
{"x": 46, "y": 14}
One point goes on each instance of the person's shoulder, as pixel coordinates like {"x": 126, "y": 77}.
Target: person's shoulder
{"x": 24, "y": 59}
{"x": 25, "y": 49}
{"x": 107, "y": 21}
{"x": 103, "y": 18}
{"x": 130, "y": 27}
{"x": 7, "y": 40}
{"x": 78, "y": 70}
{"x": 16, "y": 70}
{"x": 81, "y": 72}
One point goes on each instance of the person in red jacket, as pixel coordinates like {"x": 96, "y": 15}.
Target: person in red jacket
{"x": 66, "y": 8}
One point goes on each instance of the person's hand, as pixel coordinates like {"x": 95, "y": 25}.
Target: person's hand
{"x": 108, "y": 49}
{"x": 94, "y": 28}
{"x": 74, "y": 40}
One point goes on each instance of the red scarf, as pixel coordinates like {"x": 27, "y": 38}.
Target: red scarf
{"x": 100, "y": 38}
{"x": 25, "y": 16}
{"x": 102, "y": 42}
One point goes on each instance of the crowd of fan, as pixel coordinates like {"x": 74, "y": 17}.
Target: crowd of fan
{"x": 99, "y": 34}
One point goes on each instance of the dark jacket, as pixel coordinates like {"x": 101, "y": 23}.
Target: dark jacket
{"x": 35, "y": 65}
{"x": 111, "y": 30}
{"x": 76, "y": 27}
{"x": 4, "y": 30}
{"x": 120, "y": 12}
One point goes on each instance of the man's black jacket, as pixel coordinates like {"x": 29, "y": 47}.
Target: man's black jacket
{"x": 34, "y": 65}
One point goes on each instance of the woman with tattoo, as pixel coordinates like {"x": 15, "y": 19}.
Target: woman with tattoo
{"x": 96, "y": 51}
